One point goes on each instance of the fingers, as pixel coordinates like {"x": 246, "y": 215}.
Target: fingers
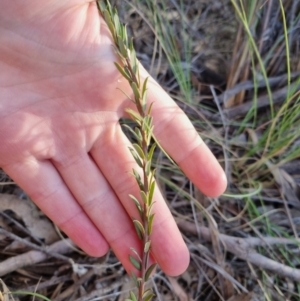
{"x": 96, "y": 197}
{"x": 115, "y": 161}
{"x": 179, "y": 138}
{"x": 44, "y": 185}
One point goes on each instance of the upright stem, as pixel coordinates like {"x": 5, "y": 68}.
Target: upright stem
{"x": 145, "y": 257}
{"x": 129, "y": 69}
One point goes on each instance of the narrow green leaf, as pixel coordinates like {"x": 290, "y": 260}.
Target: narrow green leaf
{"x": 134, "y": 63}
{"x": 33, "y": 294}
{"x": 144, "y": 196}
{"x": 141, "y": 212}
{"x": 150, "y": 135}
{"x": 109, "y": 8}
{"x": 136, "y": 157}
{"x": 144, "y": 93}
{"x": 149, "y": 297}
{"x": 131, "y": 48}
{"x": 150, "y": 208}
{"x": 138, "y": 179}
{"x": 147, "y": 124}
{"x": 132, "y": 296}
{"x": 136, "y": 91}
{"x": 118, "y": 53}
{"x": 122, "y": 71}
{"x": 134, "y": 115}
{"x": 151, "y": 193}
{"x": 139, "y": 228}
{"x": 102, "y": 6}
{"x": 110, "y": 26}
{"x": 147, "y": 246}
{"x": 135, "y": 263}
{"x": 106, "y": 16}
{"x": 136, "y": 202}
{"x": 144, "y": 100}
{"x": 162, "y": 149}
{"x": 130, "y": 130}
{"x": 116, "y": 21}
{"x": 151, "y": 178}
{"x": 127, "y": 96}
{"x": 150, "y": 108}
{"x": 146, "y": 292}
{"x": 151, "y": 152}
{"x": 135, "y": 279}
{"x": 148, "y": 168}
{"x": 132, "y": 53}
{"x": 150, "y": 270}
{"x": 150, "y": 224}
{"x": 127, "y": 71}
{"x": 122, "y": 47}
{"x": 138, "y": 75}
{"x": 139, "y": 150}
{"x": 150, "y": 121}
{"x": 136, "y": 254}
{"x": 125, "y": 37}
{"x": 145, "y": 85}
{"x": 121, "y": 33}
{"x": 139, "y": 134}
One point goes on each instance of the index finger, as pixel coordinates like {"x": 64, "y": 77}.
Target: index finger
{"x": 180, "y": 140}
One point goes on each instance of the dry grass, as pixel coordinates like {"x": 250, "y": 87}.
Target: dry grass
{"x": 244, "y": 245}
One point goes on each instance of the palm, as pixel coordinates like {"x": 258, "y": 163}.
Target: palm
{"x": 69, "y": 64}
{"x": 61, "y": 140}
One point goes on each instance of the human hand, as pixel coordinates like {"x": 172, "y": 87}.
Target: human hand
{"x": 60, "y": 135}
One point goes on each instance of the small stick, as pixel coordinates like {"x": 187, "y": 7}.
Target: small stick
{"x": 33, "y": 246}
{"x": 243, "y": 249}
{"x": 20, "y": 227}
{"x": 32, "y": 257}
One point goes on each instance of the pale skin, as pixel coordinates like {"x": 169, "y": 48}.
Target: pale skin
{"x": 60, "y": 137}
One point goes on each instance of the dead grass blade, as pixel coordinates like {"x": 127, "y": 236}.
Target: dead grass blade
{"x": 5, "y": 294}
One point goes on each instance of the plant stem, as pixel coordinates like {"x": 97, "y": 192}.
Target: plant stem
{"x": 129, "y": 68}
{"x": 145, "y": 257}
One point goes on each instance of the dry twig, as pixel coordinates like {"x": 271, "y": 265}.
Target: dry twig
{"x": 243, "y": 249}
{"x": 29, "y": 258}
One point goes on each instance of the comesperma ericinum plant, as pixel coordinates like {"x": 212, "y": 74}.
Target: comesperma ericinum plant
{"x": 141, "y": 151}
